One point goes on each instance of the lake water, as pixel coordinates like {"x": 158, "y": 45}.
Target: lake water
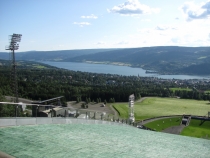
{"x": 114, "y": 69}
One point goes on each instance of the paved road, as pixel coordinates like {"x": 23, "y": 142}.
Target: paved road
{"x": 151, "y": 120}
{"x": 174, "y": 129}
{"x": 171, "y": 130}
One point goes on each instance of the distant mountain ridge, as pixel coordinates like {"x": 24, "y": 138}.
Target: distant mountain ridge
{"x": 58, "y": 55}
{"x": 163, "y": 59}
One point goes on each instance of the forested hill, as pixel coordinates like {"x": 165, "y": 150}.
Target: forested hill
{"x": 58, "y": 55}
{"x": 139, "y": 56}
{"x": 163, "y": 59}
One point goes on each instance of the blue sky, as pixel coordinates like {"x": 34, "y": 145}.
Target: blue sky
{"x": 84, "y": 24}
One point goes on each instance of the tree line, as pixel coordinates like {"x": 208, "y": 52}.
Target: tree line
{"x": 42, "y": 84}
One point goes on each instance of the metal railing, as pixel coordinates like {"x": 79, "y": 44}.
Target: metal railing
{"x": 19, "y": 121}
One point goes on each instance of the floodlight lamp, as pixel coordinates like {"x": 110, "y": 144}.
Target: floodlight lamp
{"x": 16, "y": 35}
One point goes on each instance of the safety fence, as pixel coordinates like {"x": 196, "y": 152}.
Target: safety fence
{"x": 5, "y": 122}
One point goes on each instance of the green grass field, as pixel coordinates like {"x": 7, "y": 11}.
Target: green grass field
{"x": 196, "y": 130}
{"x": 153, "y": 107}
{"x": 180, "y": 89}
{"x": 162, "y": 124}
{"x": 207, "y": 92}
{"x": 39, "y": 66}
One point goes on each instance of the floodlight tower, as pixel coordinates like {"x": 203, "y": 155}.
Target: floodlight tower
{"x": 14, "y": 45}
{"x": 131, "y": 108}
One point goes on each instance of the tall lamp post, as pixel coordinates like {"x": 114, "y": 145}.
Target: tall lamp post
{"x": 14, "y": 45}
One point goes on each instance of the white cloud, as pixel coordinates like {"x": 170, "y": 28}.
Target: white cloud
{"x": 193, "y": 11}
{"x": 81, "y": 24}
{"x": 92, "y": 16}
{"x": 122, "y": 43}
{"x": 185, "y": 34}
{"x": 174, "y": 40}
{"x": 146, "y": 20}
{"x": 164, "y": 27}
{"x": 100, "y": 43}
{"x": 161, "y": 28}
{"x": 133, "y": 7}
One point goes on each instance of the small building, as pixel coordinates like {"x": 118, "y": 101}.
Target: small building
{"x": 45, "y": 113}
{"x": 59, "y": 112}
{"x": 55, "y": 112}
{"x": 72, "y": 113}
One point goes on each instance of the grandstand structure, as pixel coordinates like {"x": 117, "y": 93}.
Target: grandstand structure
{"x": 49, "y": 109}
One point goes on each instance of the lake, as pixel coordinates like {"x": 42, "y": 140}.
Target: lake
{"x": 114, "y": 69}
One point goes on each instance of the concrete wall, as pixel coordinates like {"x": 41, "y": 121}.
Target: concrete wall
{"x": 31, "y": 121}
{"x": 7, "y": 122}
{"x": 44, "y": 120}
{"x": 4, "y": 122}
